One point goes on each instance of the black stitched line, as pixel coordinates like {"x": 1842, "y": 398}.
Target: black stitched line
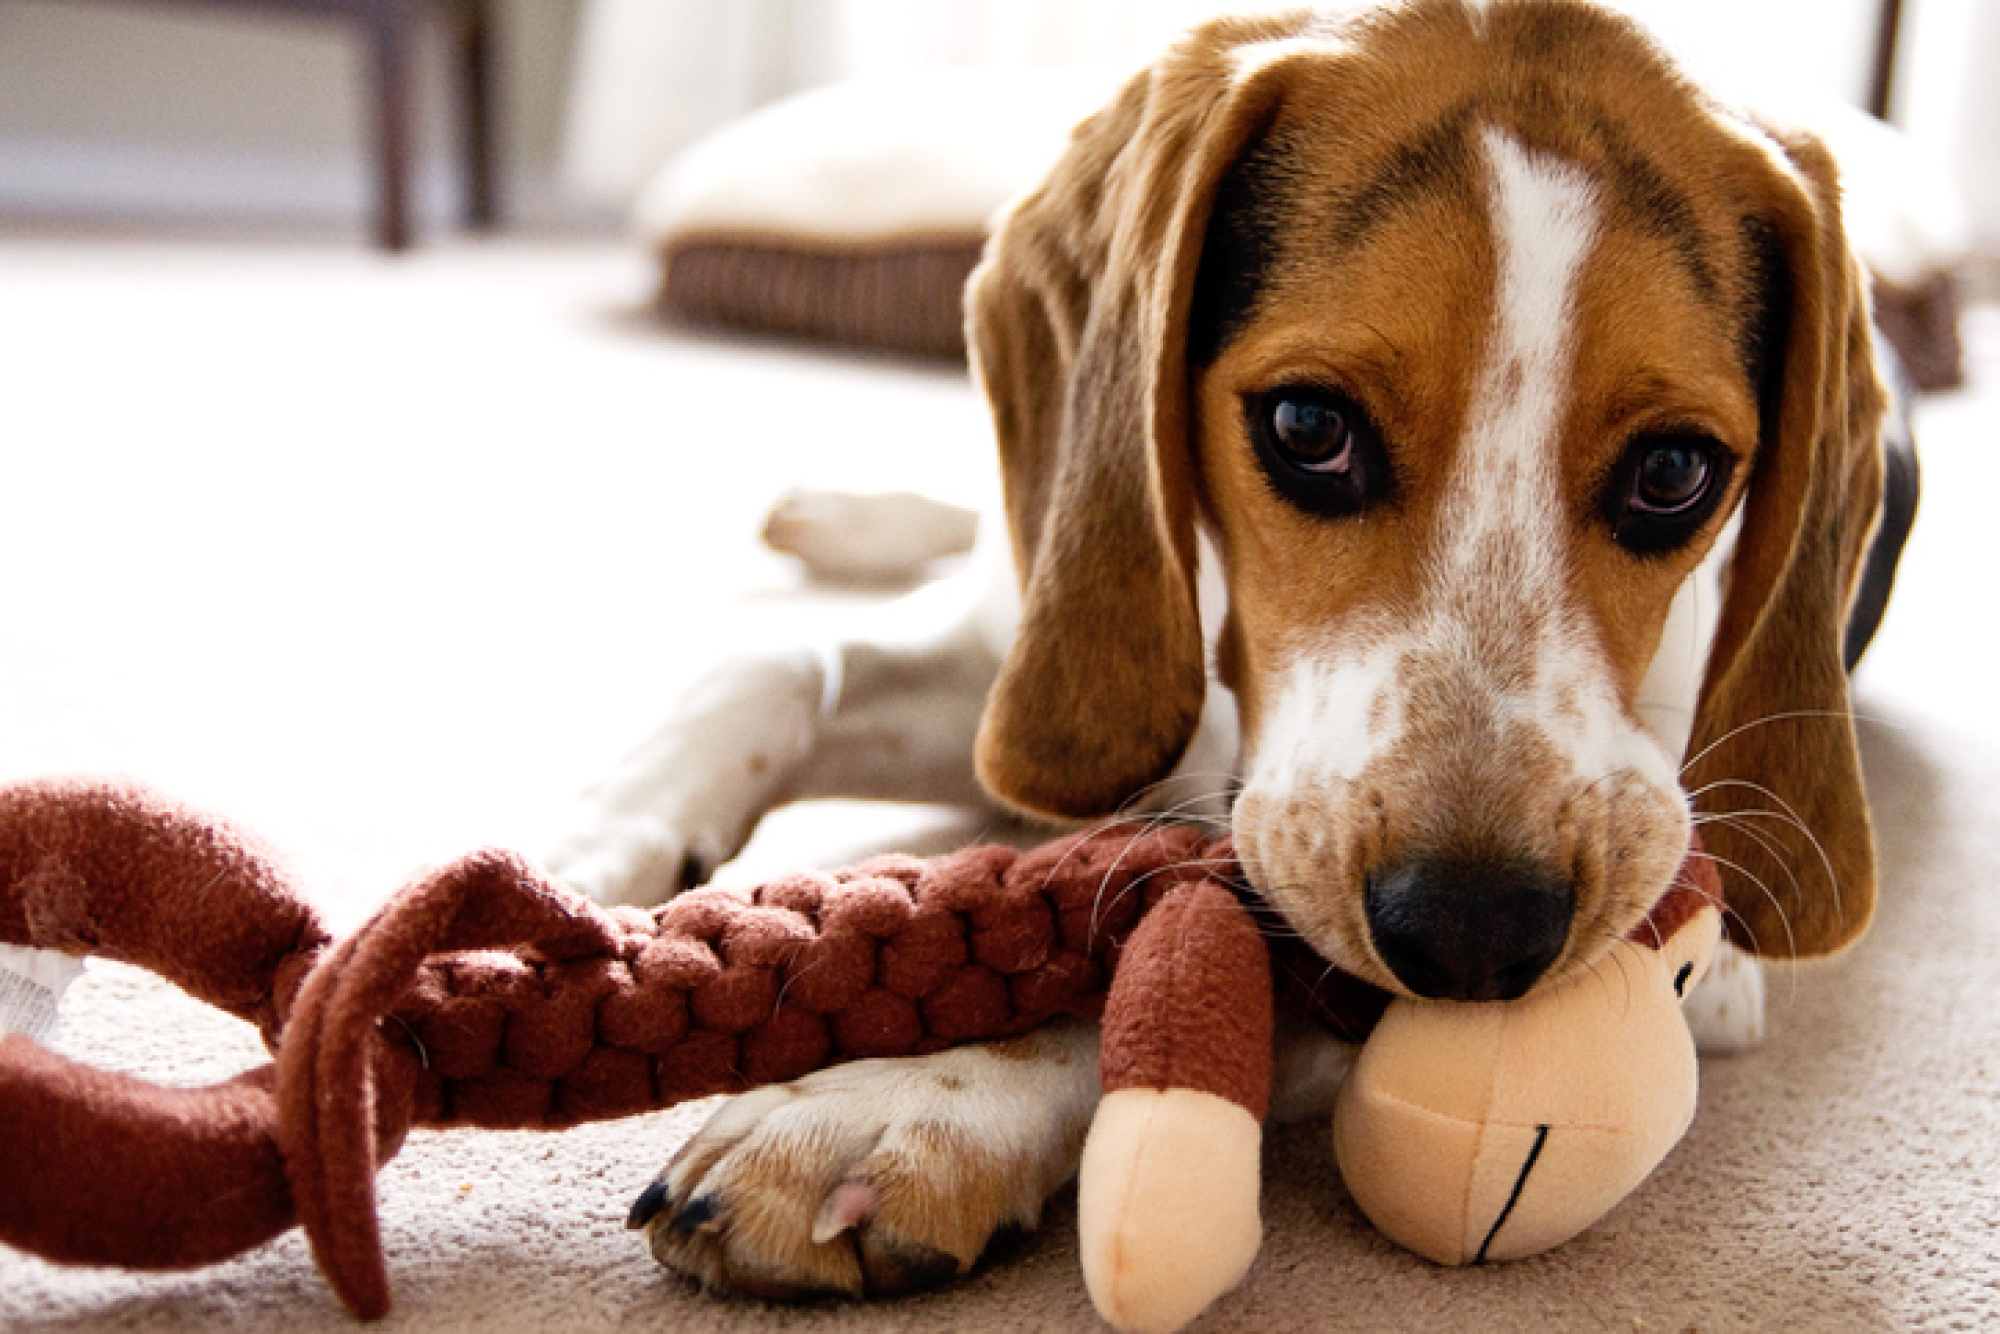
{"x": 1541, "y": 1138}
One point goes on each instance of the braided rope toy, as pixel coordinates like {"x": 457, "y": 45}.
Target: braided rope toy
{"x": 485, "y": 995}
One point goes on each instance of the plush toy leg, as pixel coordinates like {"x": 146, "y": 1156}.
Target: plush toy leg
{"x": 1167, "y": 1196}
{"x": 1167, "y": 1205}
{"x": 1489, "y": 1132}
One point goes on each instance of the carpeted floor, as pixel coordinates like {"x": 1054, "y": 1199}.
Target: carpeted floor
{"x": 386, "y": 558}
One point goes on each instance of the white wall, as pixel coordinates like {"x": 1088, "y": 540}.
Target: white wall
{"x": 1949, "y": 98}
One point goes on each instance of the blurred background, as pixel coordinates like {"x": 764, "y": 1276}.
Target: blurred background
{"x": 188, "y": 112}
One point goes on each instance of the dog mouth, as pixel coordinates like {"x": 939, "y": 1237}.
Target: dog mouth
{"x": 1474, "y": 928}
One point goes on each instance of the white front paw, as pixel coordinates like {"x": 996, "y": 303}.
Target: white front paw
{"x": 1725, "y": 1011}
{"x": 637, "y": 860}
{"x": 686, "y": 800}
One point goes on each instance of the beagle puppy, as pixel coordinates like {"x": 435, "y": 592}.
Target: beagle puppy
{"x": 1439, "y": 440}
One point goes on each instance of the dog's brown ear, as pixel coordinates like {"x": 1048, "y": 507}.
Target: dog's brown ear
{"x": 1077, "y": 322}
{"x": 1776, "y": 776}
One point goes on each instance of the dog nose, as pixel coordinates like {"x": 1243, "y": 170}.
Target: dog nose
{"x": 1475, "y": 929}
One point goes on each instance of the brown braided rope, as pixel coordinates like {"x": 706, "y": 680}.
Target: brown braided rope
{"x": 484, "y": 994}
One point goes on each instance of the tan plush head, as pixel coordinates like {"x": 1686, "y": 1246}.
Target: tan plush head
{"x": 1471, "y": 337}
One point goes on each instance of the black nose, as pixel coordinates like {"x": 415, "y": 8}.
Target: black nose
{"x": 1472, "y": 929}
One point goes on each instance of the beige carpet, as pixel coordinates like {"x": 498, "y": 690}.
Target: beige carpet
{"x": 386, "y": 558}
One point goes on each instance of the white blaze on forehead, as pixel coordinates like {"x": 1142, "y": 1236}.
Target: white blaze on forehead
{"x": 1545, "y": 218}
{"x": 1507, "y": 493}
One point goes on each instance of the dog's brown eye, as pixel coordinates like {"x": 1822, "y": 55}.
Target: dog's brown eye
{"x": 1312, "y": 434}
{"x": 1664, "y": 489}
{"x": 1318, "y": 448}
{"x": 1671, "y": 477}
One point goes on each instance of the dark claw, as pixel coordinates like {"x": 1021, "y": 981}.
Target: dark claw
{"x": 1008, "y": 1240}
{"x": 696, "y": 1213}
{"x": 694, "y": 871}
{"x": 647, "y": 1207}
{"x": 897, "y": 1267}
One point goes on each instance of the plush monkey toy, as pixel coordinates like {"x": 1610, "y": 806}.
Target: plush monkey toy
{"x": 1466, "y": 1132}
{"x": 484, "y": 994}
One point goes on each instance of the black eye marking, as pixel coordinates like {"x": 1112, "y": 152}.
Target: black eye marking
{"x": 1318, "y": 448}
{"x": 1681, "y": 979}
{"x": 1664, "y": 489}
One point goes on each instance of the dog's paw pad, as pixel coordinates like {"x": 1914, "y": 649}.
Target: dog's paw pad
{"x": 866, "y": 1180}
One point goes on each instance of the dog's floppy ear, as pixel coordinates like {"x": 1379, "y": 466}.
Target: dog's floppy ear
{"x": 1077, "y": 322}
{"x": 1776, "y": 776}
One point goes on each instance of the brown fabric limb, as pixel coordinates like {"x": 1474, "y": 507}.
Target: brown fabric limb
{"x": 345, "y": 1096}
{"x": 112, "y": 869}
{"x": 1191, "y": 1004}
{"x": 101, "y": 1168}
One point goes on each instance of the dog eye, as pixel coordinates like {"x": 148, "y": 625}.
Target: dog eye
{"x": 1672, "y": 478}
{"x": 1312, "y": 433}
{"x": 1318, "y": 448}
{"x": 1665, "y": 488}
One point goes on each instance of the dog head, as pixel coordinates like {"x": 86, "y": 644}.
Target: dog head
{"x": 1528, "y": 398}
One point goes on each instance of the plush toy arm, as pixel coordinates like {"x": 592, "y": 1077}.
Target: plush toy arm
{"x": 1167, "y": 1197}
{"x": 101, "y": 1167}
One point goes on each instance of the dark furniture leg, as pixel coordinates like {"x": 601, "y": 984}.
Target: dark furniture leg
{"x": 472, "y": 32}
{"x": 1882, "y": 80}
{"x": 389, "y": 31}
{"x": 389, "y": 28}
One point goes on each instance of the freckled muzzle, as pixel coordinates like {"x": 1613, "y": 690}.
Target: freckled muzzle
{"x": 1466, "y": 872}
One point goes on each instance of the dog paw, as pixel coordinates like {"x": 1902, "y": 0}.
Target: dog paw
{"x": 877, "y": 1177}
{"x": 687, "y": 798}
{"x": 636, "y": 861}
{"x": 1725, "y": 1011}
{"x": 886, "y": 537}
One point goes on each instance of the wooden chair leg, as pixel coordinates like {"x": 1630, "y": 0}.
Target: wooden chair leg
{"x": 389, "y": 30}
{"x": 1882, "y": 76}
{"x": 473, "y": 32}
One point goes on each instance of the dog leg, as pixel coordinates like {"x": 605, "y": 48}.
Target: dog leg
{"x": 1311, "y": 1064}
{"x": 876, "y": 1177}
{"x": 1726, "y": 1008}
{"x": 888, "y": 712}
{"x": 875, "y": 537}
